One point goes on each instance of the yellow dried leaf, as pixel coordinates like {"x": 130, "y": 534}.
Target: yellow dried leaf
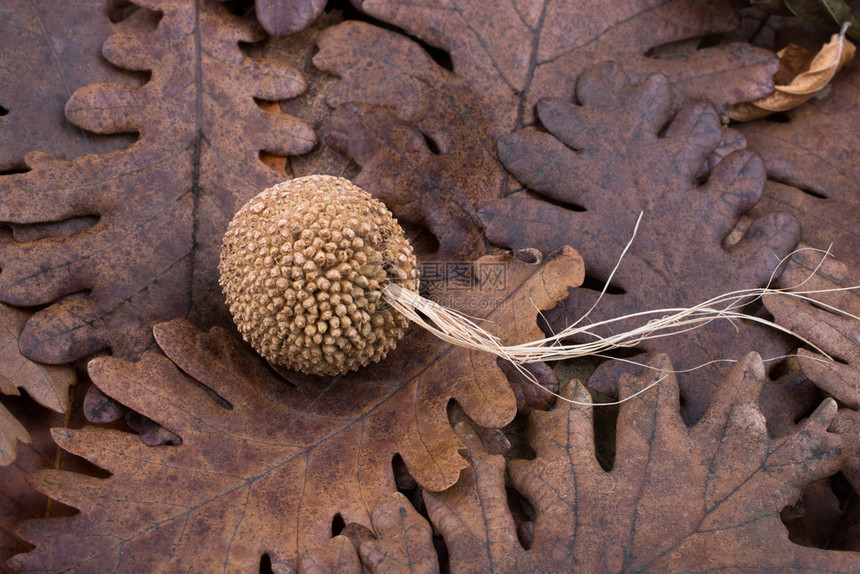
{"x": 803, "y": 74}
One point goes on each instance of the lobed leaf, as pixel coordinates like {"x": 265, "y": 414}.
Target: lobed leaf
{"x": 156, "y": 210}
{"x": 424, "y": 132}
{"x": 616, "y": 152}
{"x": 812, "y": 169}
{"x": 678, "y": 498}
{"x": 263, "y": 467}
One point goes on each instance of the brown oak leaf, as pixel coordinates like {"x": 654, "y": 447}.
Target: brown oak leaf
{"x": 157, "y": 210}
{"x": 424, "y": 132}
{"x": 11, "y": 432}
{"x": 678, "y": 498}
{"x": 611, "y": 156}
{"x": 268, "y": 463}
{"x": 834, "y": 333}
{"x": 297, "y": 50}
{"x": 18, "y": 500}
{"x": 47, "y": 384}
{"x": 400, "y": 543}
{"x": 812, "y": 167}
{"x": 48, "y": 50}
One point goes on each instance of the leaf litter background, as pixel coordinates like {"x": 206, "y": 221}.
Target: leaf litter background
{"x": 129, "y": 135}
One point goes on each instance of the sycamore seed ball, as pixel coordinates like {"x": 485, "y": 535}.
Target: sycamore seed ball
{"x": 303, "y": 265}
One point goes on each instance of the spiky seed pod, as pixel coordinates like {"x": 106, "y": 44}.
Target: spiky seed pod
{"x": 303, "y": 267}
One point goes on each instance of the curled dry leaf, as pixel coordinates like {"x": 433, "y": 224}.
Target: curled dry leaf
{"x": 615, "y": 153}
{"x": 269, "y": 463}
{"x": 835, "y": 334}
{"x": 812, "y": 167}
{"x": 678, "y": 498}
{"x": 424, "y": 131}
{"x": 800, "y": 77}
{"x": 155, "y": 212}
{"x": 48, "y": 50}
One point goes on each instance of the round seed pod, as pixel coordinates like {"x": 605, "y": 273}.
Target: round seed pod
{"x": 303, "y": 265}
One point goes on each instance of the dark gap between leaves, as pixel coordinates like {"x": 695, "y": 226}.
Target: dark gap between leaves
{"x": 119, "y": 10}
{"x": 569, "y": 205}
{"x": 424, "y": 242}
{"x": 439, "y": 55}
{"x": 813, "y": 525}
{"x": 808, "y": 191}
{"x": 3, "y": 111}
{"x": 777, "y": 118}
{"x": 14, "y": 170}
{"x": 242, "y": 8}
{"x": 524, "y": 516}
{"x": 604, "y": 422}
{"x": 432, "y": 145}
{"x": 266, "y": 564}
{"x": 595, "y": 284}
{"x": 253, "y": 50}
{"x": 337, "y": 525}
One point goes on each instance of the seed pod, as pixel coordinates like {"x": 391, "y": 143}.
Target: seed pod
{"x": 303, "y": 268}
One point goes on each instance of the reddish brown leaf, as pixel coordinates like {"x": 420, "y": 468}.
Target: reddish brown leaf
{"x": 401, "y": 544}
{"x": 285, "y": 17}
{"x": 48, "y": 385}
{"x": 600, "y": 165}
{"x": 268, "y": 463}
{"x": 18, "y": 500}
{"x": 11, "y": 432}
{"x": 678, "y": 499}
{"x": 425, "y": 135}
{"x": 835, "y": 334}
{"x": 812, "y": 166}
{"x": 336, "y": 555}
{"x": 297, "y": 50}
{"x": 157, "y": 209}
{"x": 48, "y": 50}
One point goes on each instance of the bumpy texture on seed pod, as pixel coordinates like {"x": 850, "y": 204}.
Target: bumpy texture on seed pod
{"x": 303, "y": 265}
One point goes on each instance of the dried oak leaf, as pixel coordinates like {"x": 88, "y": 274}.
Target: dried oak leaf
{"x": 157, "y": 210}
{"x": 263, "y": 466}
{"x": 297, "y": 50}
{"x": 400, "y": 543}
{"x": 18, "y": 500}
{"x": 605, "y": 160}
{"x": 678, "y": 499}
{"x": 812, "y": 167}
{"x": 48, "y": 50}
{"x": 801, "y": 76}
{"x": 835, "y": 334}
{"x": 11, "y": 432}
{"x": 48, "y": 385}
{"x": 424, "y": 132}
